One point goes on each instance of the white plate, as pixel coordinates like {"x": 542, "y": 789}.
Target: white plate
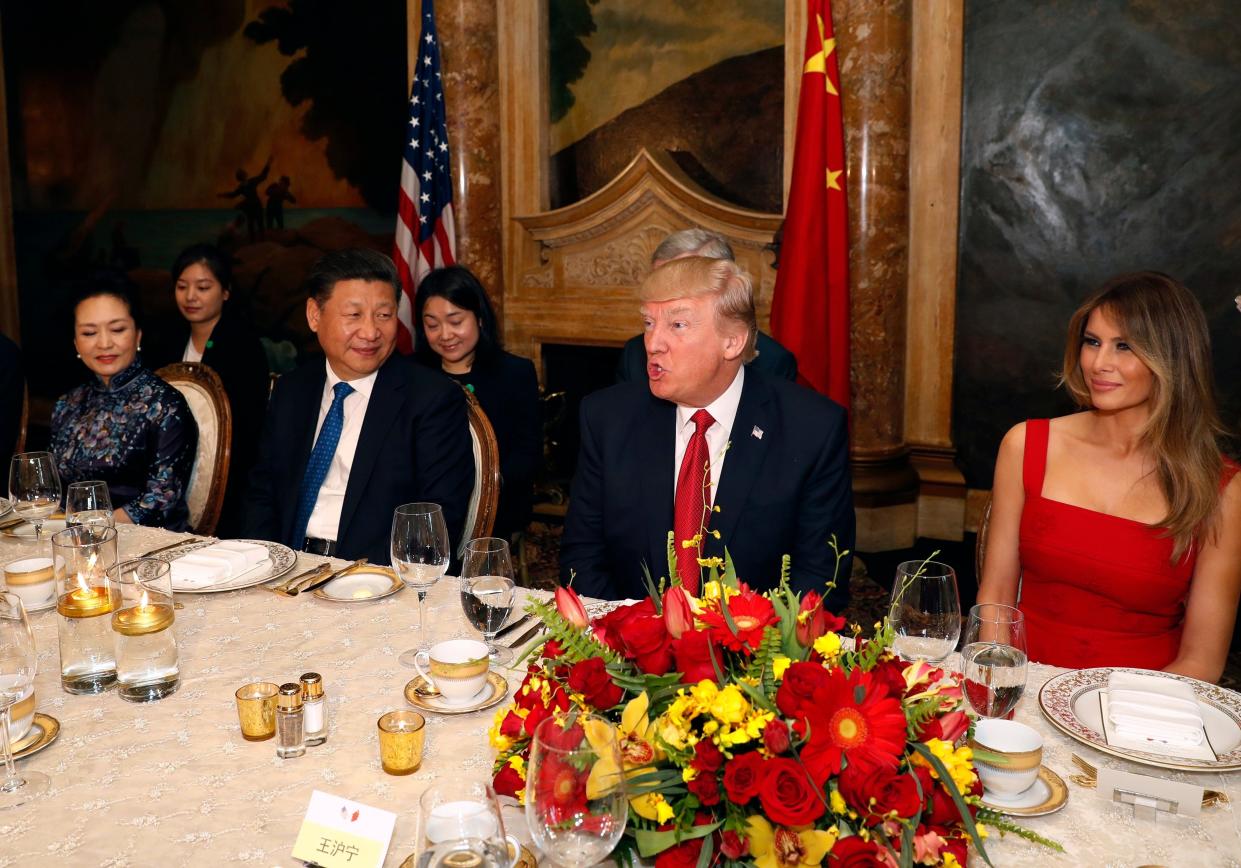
{"x": 361, "y": 585}
{"x": 1047, "y": 795}
{"x": 26, "y": 529}
{"x": 1070, "y": 701}
{"x": 280, "y": 560}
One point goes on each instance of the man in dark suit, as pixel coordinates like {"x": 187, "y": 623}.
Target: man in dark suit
{"x": 351, "y": 438}
{"x": 708, "y": 449}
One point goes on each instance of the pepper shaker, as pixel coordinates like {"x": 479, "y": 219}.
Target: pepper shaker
{"x": 314, "y": 707}
{"x": 289, "y": 721}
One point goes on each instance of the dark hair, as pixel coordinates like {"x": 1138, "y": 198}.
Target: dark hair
{"x": 108, "y": 282}
{"x": 209, "y": 255}
{"x": 461, "y": 288}
{"x": 353, "y": 263}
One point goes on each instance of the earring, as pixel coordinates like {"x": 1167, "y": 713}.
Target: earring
{"x": 79, "y": 355}
{"x": 139, "y": 347}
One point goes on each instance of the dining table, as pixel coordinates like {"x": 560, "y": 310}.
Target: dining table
{"x": 174, "y": 782}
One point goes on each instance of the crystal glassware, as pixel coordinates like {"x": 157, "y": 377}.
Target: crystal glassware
{"x": 146, "y": 649}
{"x": 17, "y": 671}
{"x": 420, "y": 556}
{"x": 89, "y": 503}
{"x": 34, "y": 486}
{"x": 994, "y": 660}
{"x": 488, "y": 590}
{"x": 462, "y": 824}
{"x": 81, "y": 558}
{"x": 925, "y": 611}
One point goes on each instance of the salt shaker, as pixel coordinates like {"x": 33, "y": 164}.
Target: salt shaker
{"x": 314, "y": 707}
{"x": 289, "y": 721}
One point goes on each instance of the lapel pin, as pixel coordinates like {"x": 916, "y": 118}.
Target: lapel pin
{"x": 757, "y": 433}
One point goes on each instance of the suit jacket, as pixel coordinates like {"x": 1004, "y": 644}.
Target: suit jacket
{"x": 772, "y": 359}
{"x": 414, "y": 446}
{"x": 785, "y": 488}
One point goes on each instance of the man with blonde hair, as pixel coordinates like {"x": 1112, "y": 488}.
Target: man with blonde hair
{"x": 721, "y": 455}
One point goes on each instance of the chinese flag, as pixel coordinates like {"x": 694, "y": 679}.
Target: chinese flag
{"x": 810, "y": 308}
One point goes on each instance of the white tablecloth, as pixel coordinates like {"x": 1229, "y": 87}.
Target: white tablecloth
{"x": 173, "y": 782}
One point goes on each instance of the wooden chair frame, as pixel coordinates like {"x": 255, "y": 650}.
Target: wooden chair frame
{"x": 203, "y": 376}
{"x": 487, "y": 475}
{"x": 20, "y": 445}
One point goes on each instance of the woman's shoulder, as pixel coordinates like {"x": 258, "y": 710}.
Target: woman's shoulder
{"x": 71, "y": 399}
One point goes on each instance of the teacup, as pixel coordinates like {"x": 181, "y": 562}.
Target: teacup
{"x": 21, "y": 716}
{"x": 33, "y": 580}
{"x": 1020, "y": 751}
{"x": 456, "y": 668}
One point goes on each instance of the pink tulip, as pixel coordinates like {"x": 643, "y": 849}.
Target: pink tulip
{"x": 569, "y": 604}
{"x": 678, "y": 612}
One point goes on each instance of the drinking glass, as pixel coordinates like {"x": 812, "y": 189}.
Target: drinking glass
{"x": 17, "y": 671}
{"x": 488, "y": 590}
{"x": 34, "y": 487}
{"x": 994, "y": 658}
{"x": 420, "y": 555}
{"x": 462, "y": 824}
{"x": 146, "y": 649}
{"x": 88, "y": 503}
{"x": 925, "y": 613}
{"x": 575, "y": 792}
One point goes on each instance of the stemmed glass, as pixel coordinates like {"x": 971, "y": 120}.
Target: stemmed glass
{"x": 462, "y": 825}
{"x": 488, "y": 590}
{"x": 420, "y": 555}
{"x": 994, "y": 658}
{"x": 34, "y": 486}
{"x": 575, "y": 790}
{"x": 17, "y": 671}
{"x": 925, "y": 612}
{"x": 88, "y": 503}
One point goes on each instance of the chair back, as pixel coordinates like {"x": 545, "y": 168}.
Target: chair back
{"x": 20, "y": 446}
{"x": 480, "y": 518}
{"x": 209, "y": 405}
{"x": 980, "y": 546}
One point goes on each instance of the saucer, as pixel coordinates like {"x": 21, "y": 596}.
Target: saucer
{"x": 50, "y": 604}
{"x": 491, "y": 694}
{"x": 1046, "y": 795}
{"x": 42, "y": 733}
{"x": 365, "y": 583}
{"x": 25, "y": 530}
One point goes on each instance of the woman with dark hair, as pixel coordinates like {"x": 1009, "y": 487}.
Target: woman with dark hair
{"x": 125, "y": 426}
{"x": 456, "y": 333}
{"x": 1120, "y": 526}
{"x": 213, "y": 332}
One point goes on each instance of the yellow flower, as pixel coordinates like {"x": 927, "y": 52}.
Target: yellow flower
{"x": 958, "y": 762}
{"x": 704, "y": 693}
{"x": 715, "y": 562}
{"x": 838, "y": 802}
{"x": 780, "y": 665}
{"x": 782, "y": 847}
{"x": 827, "y": 646}
{"x": 730, "y": 705}
{"x": 635, "y": 735}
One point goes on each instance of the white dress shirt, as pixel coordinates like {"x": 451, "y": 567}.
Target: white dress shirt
{"x": 325, "y": 519}
{"x": 724, "y": 411}
{"x": 191, "y": 354}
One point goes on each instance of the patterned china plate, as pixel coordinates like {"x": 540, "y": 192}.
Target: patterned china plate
{"x": 42, "y": 733}
{"x": 6, "y": 504}
{"x": 1070, "y": 701}
{"x": 281, "y": 558}
{"x": 496, "y": 690}
{"x": 361, "y": 585}
{"x": 1047, "y": 795}
{"x": 25, "y": 530}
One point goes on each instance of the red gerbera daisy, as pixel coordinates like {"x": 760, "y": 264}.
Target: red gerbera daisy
{"x": 852, "y": 718}
{"x": 751, "y": 613}
{"x": 561, "y": 789}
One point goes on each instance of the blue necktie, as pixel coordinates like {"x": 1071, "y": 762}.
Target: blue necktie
{"x": 320, "y": 461}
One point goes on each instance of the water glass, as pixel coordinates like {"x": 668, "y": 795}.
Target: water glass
{"x": 34, "y": 486}
{"x": 420, "y": 555}
{"x": 925, "y": 611}
{"x": 17, "y": 672}
{"x": 462, "y": 824}
{"x": 994, "y": 658}
{"x": 488, "y": 590}
{"x": 81, "y": 558}
{"x": 146, "y": 650}
{"x": 90, "y": 504}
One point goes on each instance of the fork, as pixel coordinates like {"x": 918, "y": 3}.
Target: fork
{"x": 283, "y": 587}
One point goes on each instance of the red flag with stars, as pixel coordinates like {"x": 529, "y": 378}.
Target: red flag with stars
{"x": 810, "y": 308}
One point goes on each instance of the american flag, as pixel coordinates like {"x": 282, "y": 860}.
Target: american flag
{"x": 425, "y": 236}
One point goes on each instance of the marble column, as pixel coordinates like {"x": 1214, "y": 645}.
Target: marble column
{"x": 873, "y": 38}
{"x": 468, "y": 46}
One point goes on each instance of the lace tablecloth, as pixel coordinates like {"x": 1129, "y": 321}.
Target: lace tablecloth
{"x": 173, "y": 782}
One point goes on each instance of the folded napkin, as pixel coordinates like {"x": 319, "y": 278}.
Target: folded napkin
{"x": 215, "y": 564}
{"x": 1156, "y": 709}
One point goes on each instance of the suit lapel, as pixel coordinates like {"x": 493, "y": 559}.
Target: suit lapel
{"x": 656, "y": 437}
{"x": 381, "y": 411}
{"x": 305, "y": 412}
{"x": 744, "y": 459}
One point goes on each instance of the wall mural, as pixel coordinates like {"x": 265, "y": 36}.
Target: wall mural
{"x": 1100, "y": 136}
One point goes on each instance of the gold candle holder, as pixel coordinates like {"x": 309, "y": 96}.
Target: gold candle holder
{"x": 256, "y": 709}
{"x": 81, "y": 557}
{"x": 401, "y": 738}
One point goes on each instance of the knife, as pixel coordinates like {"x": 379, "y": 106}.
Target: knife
{"x": 173, "y": 545}
{"x": 319, "y": 583}
{"x": 504, "y": 631}
{"x": 527, "y": 636}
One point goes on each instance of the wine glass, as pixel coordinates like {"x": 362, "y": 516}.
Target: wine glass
{"x": 575, "y": 791}
{"x": 461, "y": 825}
{"x": 420, "y": 555}
{"x": 488, "y": 590}
{"x": 925, "y": 613}
{"x": 994, "y": 658}
{"x": 34, "y": 487}
{"x": 88, "y": 503}
{"x": 17, "y": 671}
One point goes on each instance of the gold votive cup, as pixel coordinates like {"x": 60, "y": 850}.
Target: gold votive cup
{"x": 256, "y": 709}
{"x": 401, "y": 737}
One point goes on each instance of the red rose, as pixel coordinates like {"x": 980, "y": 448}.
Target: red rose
{"x": 693, "y": 656}
{"x": 788, "y": 795}
{"x": 591, "y": 679}
{"x": 683, "y": 855}
{"x": 889, "y": 792}
{"x": 853, "y": 852}
{"x": 609, "y": 628}
{"x": 507, "y": 781}
{"x": 776, "y": 737}
{"x": 707, "y": 757}
{"x": 801, "y": 680}
{"x": 743, "y": 776}
{"x": 891, "y": 674}
{"x": 706, "y": 789}
{"x": 649, "y": 643}
{"x": 734, "y": 846}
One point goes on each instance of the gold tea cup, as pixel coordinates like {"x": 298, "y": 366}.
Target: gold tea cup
{"x": 401, "y": 738}
{"x": 256, "y": 709}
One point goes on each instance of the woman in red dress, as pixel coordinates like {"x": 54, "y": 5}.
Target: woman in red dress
{"x": 1119, "y": 527}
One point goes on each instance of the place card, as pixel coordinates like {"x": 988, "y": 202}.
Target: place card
{"x": 338, "y": 833}
{"x": 1149, "y": 795}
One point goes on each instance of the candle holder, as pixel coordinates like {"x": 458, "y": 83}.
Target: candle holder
{"x": 146, "y": 650}
{"x": 81, "y": 557}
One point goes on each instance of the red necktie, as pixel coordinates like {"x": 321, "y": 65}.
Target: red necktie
{"x": 693, "y": 499}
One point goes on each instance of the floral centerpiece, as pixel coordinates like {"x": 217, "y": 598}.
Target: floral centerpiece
{"x": 757, "y": 729}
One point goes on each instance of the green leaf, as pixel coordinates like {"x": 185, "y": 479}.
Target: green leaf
{"x": 729, "y": 579}
{"x": 578, "y": 644}
{"x": 1001, "y": 822}
{"x": 704, "y": 855}
{"x": 951, "y": 787}
{"x": 651, "y": 841}
{"x": 651, "y": 590}
{"x": 672, "y": 556}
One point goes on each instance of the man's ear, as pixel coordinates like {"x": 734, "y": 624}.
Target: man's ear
{"x": 734, "y": 344}
{"x": 313, "y": 313}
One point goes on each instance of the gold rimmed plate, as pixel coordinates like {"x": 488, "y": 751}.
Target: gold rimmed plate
{"x": 361, "y": 584}
{"x": 43, "y": 731}
{"x": 1047, "y": 795}
{"x": 524, "y": 860}
{"x": 25, "y": 530}
{"x": 491, "y": 694}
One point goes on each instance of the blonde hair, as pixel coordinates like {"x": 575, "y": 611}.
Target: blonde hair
{"x": 722, "y": 280}
{"x": 1165, "y": 327}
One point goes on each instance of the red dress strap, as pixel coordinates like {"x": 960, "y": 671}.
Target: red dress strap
{"x": 1034, "y": 461}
